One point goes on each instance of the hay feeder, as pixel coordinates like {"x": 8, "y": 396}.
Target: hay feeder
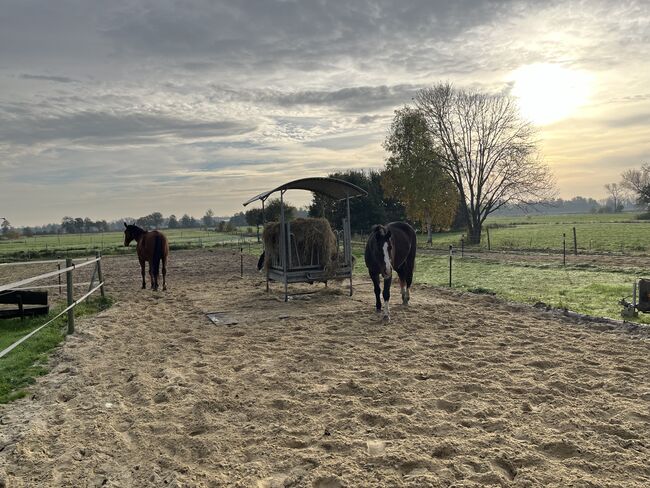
{"x": 309, "y": 250}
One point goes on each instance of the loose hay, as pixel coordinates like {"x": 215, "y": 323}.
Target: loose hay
{"x": 315, "y": 242}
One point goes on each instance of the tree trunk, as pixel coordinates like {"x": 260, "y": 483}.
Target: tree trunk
{"x": 474, "y": 226}
{"x": 474, "y": 235}
{"x": 429, "y": 234}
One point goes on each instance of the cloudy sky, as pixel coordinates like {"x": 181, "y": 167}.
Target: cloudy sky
{"x": 121, "y": 108}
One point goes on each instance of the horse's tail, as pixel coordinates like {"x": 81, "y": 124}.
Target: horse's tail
{"x": 157, "y": 255}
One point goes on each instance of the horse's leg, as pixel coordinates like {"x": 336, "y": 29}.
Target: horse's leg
{"x": 164, "y": 271}
{"x": 386, "y": 294}
{"x": 144, "y": 283}
{"x": 402, "y": 285}
{"x": 410, "y": 268}
{"x": 375, "y": 282}
{"x": 151, "y": 276}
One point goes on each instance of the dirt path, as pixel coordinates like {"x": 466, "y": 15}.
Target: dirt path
{"x": 457, "y": 390}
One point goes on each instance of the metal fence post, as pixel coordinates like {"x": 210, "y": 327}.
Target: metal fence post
{"x": 575, "y": 243}
{"x": 241, "y": 258}
{"x": 68, "y": 276}
{"x": 487, "y": 230}
{"x": 451, "y": 252}
{"x": 100, "y": 276}
{"x": 59, "y": 277}
{"x": 564, "y": 249}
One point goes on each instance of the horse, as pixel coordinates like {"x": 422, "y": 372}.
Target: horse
{"x": 260, "y": 261}
{"x": 391, "y": 247}
{"x": 152, "y": 247}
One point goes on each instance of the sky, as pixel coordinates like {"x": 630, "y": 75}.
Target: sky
{"x": 122, "y": 108}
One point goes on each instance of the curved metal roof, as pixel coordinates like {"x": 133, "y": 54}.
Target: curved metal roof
{"x": 330, "y": 187}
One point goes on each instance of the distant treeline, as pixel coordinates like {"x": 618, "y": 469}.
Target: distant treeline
{"x": 366, "y": 212}
{"x": 575, "y": 205}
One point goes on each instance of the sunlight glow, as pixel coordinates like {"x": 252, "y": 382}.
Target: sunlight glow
{"x": 549, "y": 92}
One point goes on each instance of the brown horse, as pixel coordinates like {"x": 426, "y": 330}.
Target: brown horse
{"x": 152, "y": 247}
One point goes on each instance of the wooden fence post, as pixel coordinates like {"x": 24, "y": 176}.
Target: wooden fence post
{"x": 575, "y": 243}
{"x": 68, "y": 276}
{"x": 487, "y": 230}
{"x": 100, "y": 276}
{"x": 563, "y": 249}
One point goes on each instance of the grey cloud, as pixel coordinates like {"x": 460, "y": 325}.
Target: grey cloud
{"x": 369, "y": 119}
{"x": 343, "y": 142}
{"x": 58, "y": 79}
{"x": 104, "y": 127}
{"x": 299, "y": 35}
{"x": 354, "y": 99}
{"x": 639, "y": 119}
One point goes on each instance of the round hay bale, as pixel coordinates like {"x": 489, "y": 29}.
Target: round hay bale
{"x": 313, "y": 237}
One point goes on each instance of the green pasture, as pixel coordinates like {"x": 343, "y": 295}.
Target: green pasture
{"x": 19, "y": 368}
{"x": 583, "y": 218}
{"x": 595, "y": 233}
{"x": 107, "y": 242}
{"x": 593, "y": 291}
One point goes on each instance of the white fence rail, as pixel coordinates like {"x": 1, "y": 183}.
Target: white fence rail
{"x": 72, "y": 303}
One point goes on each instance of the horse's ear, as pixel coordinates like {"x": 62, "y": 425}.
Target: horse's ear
{"x": 125, "y": 224}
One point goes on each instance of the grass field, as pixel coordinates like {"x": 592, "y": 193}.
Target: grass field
{"x": 20, "y": 366}
{"x": 595, "y": 233}
{"x": 107, "y": 242}
{"x": 592, "y": 290}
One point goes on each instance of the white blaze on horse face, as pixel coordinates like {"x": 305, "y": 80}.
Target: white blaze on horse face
{"x": 387, "y": 260}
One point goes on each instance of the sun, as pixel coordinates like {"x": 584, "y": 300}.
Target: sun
{"x": 548, "y": 93}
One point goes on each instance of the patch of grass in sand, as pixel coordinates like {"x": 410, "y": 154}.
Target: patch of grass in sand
{"x": 21, "y": 365}
{"x": 592, "y": 291}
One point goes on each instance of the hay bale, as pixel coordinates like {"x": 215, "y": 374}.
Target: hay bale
{"x": 313, "y": 237}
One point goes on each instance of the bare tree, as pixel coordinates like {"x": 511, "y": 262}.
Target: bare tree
{"x": 487, "y": 149}
{"x": 638, "y": 182}
{"x": 616, "y": 192}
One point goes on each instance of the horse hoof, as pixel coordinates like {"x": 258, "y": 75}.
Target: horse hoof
{"x": 386, "y": 318}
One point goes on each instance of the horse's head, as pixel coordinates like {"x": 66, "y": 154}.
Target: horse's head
{"x": 131, "y": 232}
{"x": 379, "y": 247}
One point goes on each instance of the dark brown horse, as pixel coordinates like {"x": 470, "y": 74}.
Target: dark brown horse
{"x": 391, "y": 247}
{"x": 152, "y": 247}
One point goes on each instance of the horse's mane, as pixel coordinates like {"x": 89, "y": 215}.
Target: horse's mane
{"x": 378, "y": 229}
{"x": 135, "y": 229}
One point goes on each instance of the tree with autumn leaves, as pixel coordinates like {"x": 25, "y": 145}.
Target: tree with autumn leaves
{"x": 413, "y": 175}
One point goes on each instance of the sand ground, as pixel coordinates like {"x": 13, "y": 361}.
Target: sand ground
{"x": 457, "y": 390}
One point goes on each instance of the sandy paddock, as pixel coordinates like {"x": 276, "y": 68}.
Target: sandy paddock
{"x": 458, "y": 390}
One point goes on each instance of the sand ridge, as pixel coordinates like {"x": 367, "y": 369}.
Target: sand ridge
{"x": 458, "y": 390}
